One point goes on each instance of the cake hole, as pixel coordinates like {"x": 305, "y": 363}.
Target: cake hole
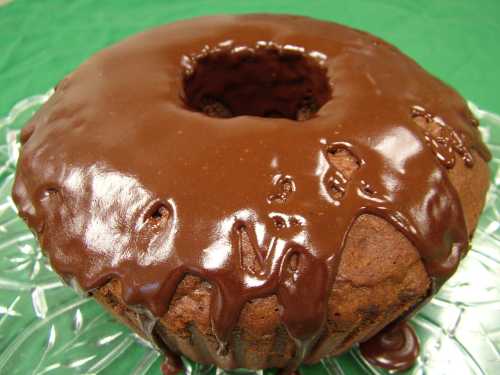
{"x": 158, "y": 212}
{"x": 293, "y": 262}
{"x": 336, "y": 192}
{"x": 344, "y": 161}
{"x": 284, "y": 186}
{"x": 344, "y": 164}
{"x": 294, "y": 222}
{"x": 279, "y": 222}
{"x": 265, "y": 81}
{"x": 49, "y": 193}
{"x": 367, "y": 189}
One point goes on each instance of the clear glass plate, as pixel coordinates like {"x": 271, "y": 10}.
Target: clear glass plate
{"x": 47, "y": 328}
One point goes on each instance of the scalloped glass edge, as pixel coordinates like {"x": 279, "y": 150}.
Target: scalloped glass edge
{"x": 62, "y": 332}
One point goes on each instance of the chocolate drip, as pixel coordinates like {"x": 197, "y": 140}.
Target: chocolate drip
{"x": 395, "y": 348}
{"x": 145, "y": 189}
{"x": 171, "y": 366}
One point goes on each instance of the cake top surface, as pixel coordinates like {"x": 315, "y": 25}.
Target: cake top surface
{"x": 307, "y": 125}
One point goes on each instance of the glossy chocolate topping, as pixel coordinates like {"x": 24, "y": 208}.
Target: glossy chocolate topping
{"x": 395, "y": 348}
{"x": 123, "y": 176}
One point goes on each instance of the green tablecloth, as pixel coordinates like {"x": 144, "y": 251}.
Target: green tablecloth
{"x": 42, "y": 40}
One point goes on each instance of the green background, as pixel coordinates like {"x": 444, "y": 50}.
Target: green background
{"x": 42, "y": 40}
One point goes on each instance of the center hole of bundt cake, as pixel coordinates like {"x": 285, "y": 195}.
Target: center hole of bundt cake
{"x": 268, "y": 81}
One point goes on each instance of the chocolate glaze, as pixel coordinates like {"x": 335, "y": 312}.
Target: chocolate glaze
{"x": 121, "y": 177}
{"x": 395, "y": 348}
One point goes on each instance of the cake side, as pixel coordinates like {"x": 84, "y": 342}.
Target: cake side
{"x": 380, "y": 277}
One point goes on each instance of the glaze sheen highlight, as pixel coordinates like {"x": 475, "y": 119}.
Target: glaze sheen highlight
{"x": 120, "y": 179}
